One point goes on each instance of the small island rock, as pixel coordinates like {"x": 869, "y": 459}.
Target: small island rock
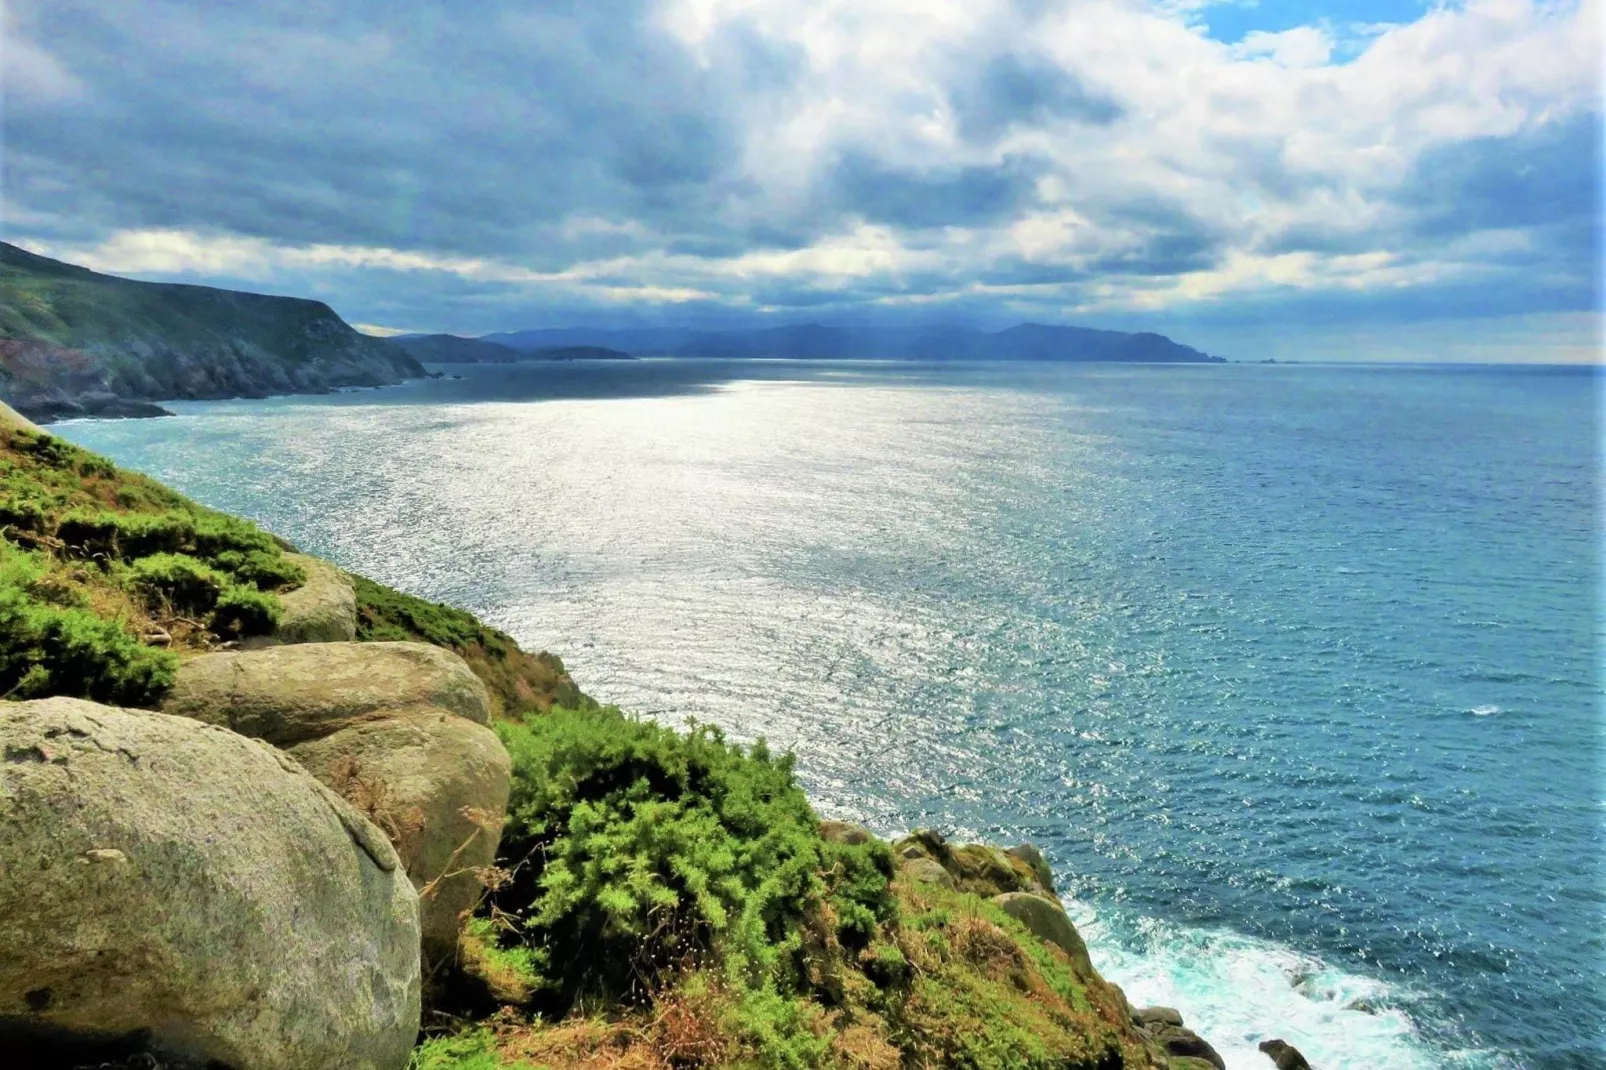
{"x": 1284, "y": 1054}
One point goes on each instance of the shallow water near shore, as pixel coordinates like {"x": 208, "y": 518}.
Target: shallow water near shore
{"x": 1292, "y": 672}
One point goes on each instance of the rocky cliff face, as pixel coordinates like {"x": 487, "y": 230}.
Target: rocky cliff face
{"x": 74, "y": 342}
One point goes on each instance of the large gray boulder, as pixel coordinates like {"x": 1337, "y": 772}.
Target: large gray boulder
{"x": 438, "y": 786}
{"x": 289, "y": 694}
{"x": 398, "y": 729}
{"x": 1047, "y": 920}
{"x": 321, "y": 610}
{"x": 174, "y": 881}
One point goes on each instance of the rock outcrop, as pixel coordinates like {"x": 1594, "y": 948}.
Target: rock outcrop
{"x": 290, "y": 694}
{"x": 1164, "y": 1026}
{"x": 1284, "y": 1054}
{"x": 176, "y": 888}
{"x": 1019, "y": 882}
{"x": 398, "y": 729}
{"x": 321, "y": 610}
{"x": 1047, "y": 921}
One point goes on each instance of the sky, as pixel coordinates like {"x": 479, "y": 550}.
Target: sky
{"x": 1288, "y": 179}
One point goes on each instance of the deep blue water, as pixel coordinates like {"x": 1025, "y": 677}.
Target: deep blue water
{"x": 1293, "y": 672}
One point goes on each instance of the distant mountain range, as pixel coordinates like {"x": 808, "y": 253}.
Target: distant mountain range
{"x": 455, "y": 349}
{"x": 812, "y": 341}
{"x": 74, "y": 342}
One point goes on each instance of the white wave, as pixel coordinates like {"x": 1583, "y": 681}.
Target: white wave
{"x": 1484, "y": 711}
{"x": 1236, "y": 991}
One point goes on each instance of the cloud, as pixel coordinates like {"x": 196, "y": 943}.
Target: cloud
{"x": 1028, "y": 90}
{"x": 503, "y": 165}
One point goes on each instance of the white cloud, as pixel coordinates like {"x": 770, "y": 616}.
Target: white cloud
{"x": 1302, "y": 46}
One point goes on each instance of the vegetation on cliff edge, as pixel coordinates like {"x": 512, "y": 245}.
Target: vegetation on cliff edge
{"x": 106, "y": 576}
{"x": 669, "y": 902}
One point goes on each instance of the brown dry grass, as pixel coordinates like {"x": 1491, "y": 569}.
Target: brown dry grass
{"x": 371, "y": 795}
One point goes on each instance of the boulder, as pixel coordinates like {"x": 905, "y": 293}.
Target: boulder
{"x": 845, "y": 832}
{"x": 1186, "y": 1044}
{"x": 1284, "y": 1054}
{"x": 289, "y": 694}
{"x": 925, "y": 871}
{"x": 1033, "y": 858}
{"x": 321, "y": 610}
{"x": 1048, "y": 922}
{"x": 398, "y": 729}
{"x": 1154, "y": 1017}
{"x": 976, "y": 868}
{"x": 438, "y": 786}
{"x": 179, "y": 888}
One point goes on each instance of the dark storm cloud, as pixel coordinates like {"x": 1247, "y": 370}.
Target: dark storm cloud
{"x": 959, "y": 197}
{"x": 1548, "y": 177}
{"x": 466, "y": 129}
{"x": 1027, "y": 90}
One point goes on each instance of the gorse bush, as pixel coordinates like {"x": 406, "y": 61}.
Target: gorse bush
{"x": 266, "y": 570}
{"x": 636, "y": 851}
{"x": 229, "y": 545}
{"x": 245, "y": 611}
{"x": 51, "y": 649}
{"x": 94, "y": 558}
{"x": 177, "y": 581}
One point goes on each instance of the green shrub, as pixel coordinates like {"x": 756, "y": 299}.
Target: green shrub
{"x": 50, "y": 649}
{"x": 23, "y": 514}
{"x": 636, "y": 851}
{"x": 182, "y": 582}
{"x": 218, "y": 533}
{"x": 471, "y": 1050}
{"x": 90, "y": 533}
{"x": 144, "y": 534}
{"x": 260, "y": 568}
{"x": 48, "y": 450}
{"x": 245, "y": 611}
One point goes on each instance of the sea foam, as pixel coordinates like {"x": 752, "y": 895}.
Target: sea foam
{"x": 1236, "y": 991}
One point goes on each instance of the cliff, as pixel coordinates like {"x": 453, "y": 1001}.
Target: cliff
{"x": 338, "y": 768}
{"x": 75, "y": 342}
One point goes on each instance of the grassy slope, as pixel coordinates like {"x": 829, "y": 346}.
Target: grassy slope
{"x": 669, "y": 902}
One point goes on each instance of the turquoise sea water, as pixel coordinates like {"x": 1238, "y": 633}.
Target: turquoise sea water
{"x": 1293, "y": 672}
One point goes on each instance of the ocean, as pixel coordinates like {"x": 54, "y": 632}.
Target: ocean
{"x": 1293, "y": 672}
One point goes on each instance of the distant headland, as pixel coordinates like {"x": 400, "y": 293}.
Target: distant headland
{"x": 75, "y": 342}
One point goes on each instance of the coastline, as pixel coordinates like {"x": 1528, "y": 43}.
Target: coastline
{"x": 578, "y": 602}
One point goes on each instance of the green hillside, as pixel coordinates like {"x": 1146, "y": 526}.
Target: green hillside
{"x": 74, "y": 341}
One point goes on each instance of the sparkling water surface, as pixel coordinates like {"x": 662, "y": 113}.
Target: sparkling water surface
{"x": 1292, "y": 672}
